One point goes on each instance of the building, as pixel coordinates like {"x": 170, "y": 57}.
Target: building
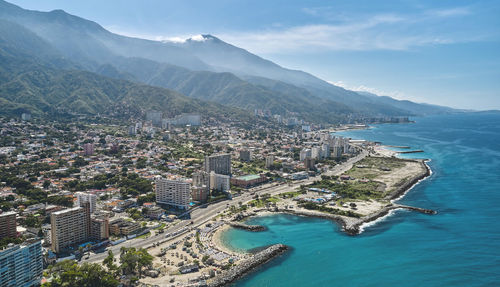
{"x": 269, "y": 161}
{"x": 121, "y": 226}
{"x": 187, "y": 119}
{"x": 201, "y": 178}
{"x": 132, "y": 130}
{"x": 219, "y": 182}
{"x": 8, "y": 225}
{"x": 155, "y": 212}
{"x": 199, "y": 193}
{"x": 88, "y": 149}
{"x": 70, "y": 227}
{"x": 315, "y": 152}
{"x": 220, "y": 164}
{"x": 154, "y": 117}
{"x": 82, "y": 197}
{"x": 99, "y": 228}
{"x": 248, "y": 180}
{"x": 245, "y": 155}
{"x": 325, "y": 151}
{"x": 26, "y": 116}
{"x": 309, "y": 163}
{"x": 304, "y": 153}
{"x": 173, "y": 192}
{"x": 21, "y": 265}
{"x": 337, "y": 152}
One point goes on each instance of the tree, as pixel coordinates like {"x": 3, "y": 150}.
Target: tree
{"x": 46, "y": 184}
{"x": 109, "y": 262}
{"x": 69, "y": 274}
{"x": 134, "y": 260}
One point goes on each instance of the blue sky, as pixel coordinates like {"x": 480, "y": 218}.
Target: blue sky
{"x": 440, "y": 52}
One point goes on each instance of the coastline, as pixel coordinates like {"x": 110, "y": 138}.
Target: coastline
{"x": 350, "y": 225}
{"x": 355, "y": 226}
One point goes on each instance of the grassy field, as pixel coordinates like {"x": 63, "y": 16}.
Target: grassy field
{"x": 353, "y": 189}
{"x": 372, "y": 167}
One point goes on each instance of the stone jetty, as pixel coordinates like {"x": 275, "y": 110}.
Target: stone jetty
{"x": 254, "y": 228}
{"x": 247, "y": 266}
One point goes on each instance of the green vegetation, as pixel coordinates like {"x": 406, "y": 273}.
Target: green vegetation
{"x": 353, "y": 189}
{"x": 150, "y": 197}
{"x": 69, "y": 274}
{"x": 371, "y": 167}
{"x": 314, "y": 206}
{"x": 133, "y": 260}
{"x": 290, "y": 194}
{"x": 263, "y": 200}
{"x": 7, "y": 240}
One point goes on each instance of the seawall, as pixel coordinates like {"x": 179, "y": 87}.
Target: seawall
{"x": 247, "y": 266}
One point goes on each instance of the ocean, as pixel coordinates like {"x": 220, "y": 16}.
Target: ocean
{"x": 460, "y": 246}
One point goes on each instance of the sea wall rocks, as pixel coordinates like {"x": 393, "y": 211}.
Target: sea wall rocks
{"x": 426, "y": 171}
{"x": 253, "y": 228}
{"x": 248, "y": 265}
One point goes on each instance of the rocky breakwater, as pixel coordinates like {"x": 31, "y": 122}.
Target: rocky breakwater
{"x": 253, "y": 228}
{"x": 353, "y": 227}
{"x": 247, "y": 266}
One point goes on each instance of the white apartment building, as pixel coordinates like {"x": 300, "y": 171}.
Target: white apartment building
{"x": 173, "y": 192}
{"x": 82, "y": 197}
{"x": 219, "y": 182}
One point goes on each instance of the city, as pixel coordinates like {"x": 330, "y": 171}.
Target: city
{"x": 78, "y": 191}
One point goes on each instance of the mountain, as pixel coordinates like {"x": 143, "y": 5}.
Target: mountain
{"x": 31, "y": 82}
{"x": 224, "y": 57}
{"x": 202, "y": 67}
{"x": 418, "y": 108}
{"x": 87, "y": 43}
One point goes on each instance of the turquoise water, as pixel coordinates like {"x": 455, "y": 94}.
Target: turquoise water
{"x": 460, "y": 246}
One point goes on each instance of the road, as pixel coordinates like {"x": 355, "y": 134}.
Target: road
{"x": 202, "y": 215}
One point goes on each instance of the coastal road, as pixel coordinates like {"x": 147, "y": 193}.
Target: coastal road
{"x": 202, "y": 215}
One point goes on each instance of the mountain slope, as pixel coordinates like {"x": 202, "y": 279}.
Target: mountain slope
{"x": 91, "y": 45}
{"x": 241, "y": 79}
{"x": 26, "y": 84}
{"x": 225, "y": 57}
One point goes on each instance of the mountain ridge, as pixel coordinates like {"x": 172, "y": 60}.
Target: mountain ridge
{"x": 190, "y": 71}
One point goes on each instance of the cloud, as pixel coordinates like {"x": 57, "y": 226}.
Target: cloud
{"x": 362, "y": 88}
{"x": 453, "y": 12}
{"x": 387, "y": 31}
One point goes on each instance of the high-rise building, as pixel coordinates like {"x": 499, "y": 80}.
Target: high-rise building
{"x": 245, "y": 155}
{"x": 201, "y": 178}
{"x": 187, "y": 119}
{"x": 21, "y": 265}
{"x": 8, "y": 225}
{"x": 269, "y": 161}
{"x": 304, "y": 153}
{"x": 337, "y": 152}
{"x": 199, "y": 193}
{"x": 220, "y": 164}
{"x": 70, "y": 227}
{"x": 99, "y": 228}
{"x": 88, "y": 149}
{"x": 309, "y": 163}
{"x": 315, "y": 152}
{"x": 219, "y": 182}
{"x": 325, "y": 151}
{"x": 154, "y": 117}
{"x": 132, "y": 130}
{"x": 173, "y": 192}
{"x": 82, "y": 197}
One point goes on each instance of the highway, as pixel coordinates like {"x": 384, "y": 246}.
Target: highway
{"x": 202, "y": 215}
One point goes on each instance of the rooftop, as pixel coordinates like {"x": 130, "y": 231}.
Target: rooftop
{"x": 248, "y": 177}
